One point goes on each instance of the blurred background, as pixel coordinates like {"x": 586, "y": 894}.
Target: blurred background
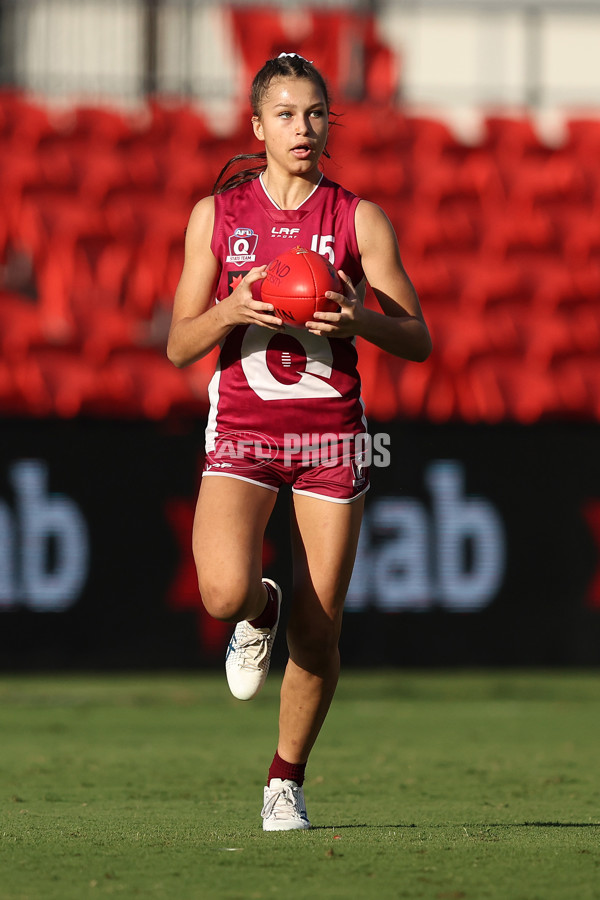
{"x": 475, "y": 124}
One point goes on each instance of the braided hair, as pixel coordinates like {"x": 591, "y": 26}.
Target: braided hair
{"x": 286, "y": 65}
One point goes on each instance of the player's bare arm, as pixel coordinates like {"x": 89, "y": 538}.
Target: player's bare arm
{"x": 400, "y": 328}
{"x": 197, "y": 324}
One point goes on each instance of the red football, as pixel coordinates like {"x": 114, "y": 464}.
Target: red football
{"x": 296, "y": 283}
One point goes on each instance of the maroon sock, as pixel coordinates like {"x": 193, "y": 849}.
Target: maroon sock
{"x": 282, "y": 769}
{"x": 268, "y": 616}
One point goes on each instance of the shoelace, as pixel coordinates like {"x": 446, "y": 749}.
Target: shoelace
{"x": 287, "y": 793}
{"x": 256, "y": 642}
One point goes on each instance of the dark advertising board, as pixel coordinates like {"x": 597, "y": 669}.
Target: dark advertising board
{"x": 480, "y": 546}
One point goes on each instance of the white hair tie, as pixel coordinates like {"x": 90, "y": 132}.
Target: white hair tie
{"x": 296, "y": 54}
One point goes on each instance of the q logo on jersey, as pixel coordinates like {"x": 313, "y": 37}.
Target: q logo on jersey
{"x": 242, "y": 246}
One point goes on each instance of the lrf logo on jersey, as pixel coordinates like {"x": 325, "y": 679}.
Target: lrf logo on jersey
{"x": 284, "y": 232}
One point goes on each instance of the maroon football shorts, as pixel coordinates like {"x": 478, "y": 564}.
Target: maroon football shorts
{"x": 319, "y": 466}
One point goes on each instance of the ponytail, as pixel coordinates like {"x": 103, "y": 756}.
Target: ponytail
{"x": 242, "y": 175}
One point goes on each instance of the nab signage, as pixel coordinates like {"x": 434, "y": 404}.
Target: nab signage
{"x": 480, "y": 546}
{"x": 415, "y": 556}
{"x": 44, "y": 546}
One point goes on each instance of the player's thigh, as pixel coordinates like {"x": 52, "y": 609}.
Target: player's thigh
{"x": 324, "y": 541}
{"x": 229, "y": 525}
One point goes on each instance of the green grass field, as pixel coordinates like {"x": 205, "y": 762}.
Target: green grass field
{"x": 423, "y": 785}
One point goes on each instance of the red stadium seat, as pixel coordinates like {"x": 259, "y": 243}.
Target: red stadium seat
{"x": 584, "y": 326}
{"x": 583, "y": 139}
{"x": 472, "y": 183}
{"x": 100, "y": 170}
{"x": 556, "y": 184}
{"x": 11, "y": 402}
{"x": 102, "y": 267}
{"x": 21, "y": 326}
{"x": 578, "y": 387}
{"x": 380, "y": 394}
{"x": 104, "y": 331}
{"x": 190, "y": 176}
{"x": 4, "y": 239}
{"x": 528, "y": 394}
{"x": 514, "y": 236}
{"x": 441, "y": 402}
{"x": 382, "y": 76}
{"x": 44, "y": 218}
{"x": 113, "y": 393}
{"x": 17, "y": 171}
{"x": 99, "y": 127}
{"x": 359, "y": 128}
{"x": 448, "y": 235}
{"x": 54, "y": 270}
{"x": 175, "y": 128}
{"x": 355, "y": 171}
{"x": 581, "y": 236}
{"x": 159, "y": 260}
{"x": 492, "y": 284}
{"x": 159, "y": 388}
{"x": 69, "y": 380}
{"x": 436, "y": 283}
{"x": 480, "y": 398}
{"x": 34, "y": 398}
{"x": 412, "y": 385}
{"x": 377, "y": 385}
{"x": 479, "y": 177}
{"x": 198, "y": 377}
{"x": 27, "y": 172}
{"x": 512, "y": 139}
{"x": 83, "y": 265}
{"x": 548, "y": 337}
{"x": 144, "y": 168}
{"x": 435, "y": 184}
{"x": 554, "y": 285}
{"x": 463, "y": 337}
{"x": 132, "y": 213}
{"x": 434, "y": 142}
{"x": 26, "y": 122}
{"x": 587, "y": 280}
{"x": 9, "y": 102}
{"x": 390, "y": 179}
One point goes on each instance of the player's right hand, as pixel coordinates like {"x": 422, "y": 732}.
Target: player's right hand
{"x": 241, "y": 307}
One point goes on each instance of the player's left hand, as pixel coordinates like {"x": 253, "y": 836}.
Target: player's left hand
{"x": 346, "y": 322}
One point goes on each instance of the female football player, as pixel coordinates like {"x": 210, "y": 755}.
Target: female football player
{"x": 275, "y": 391}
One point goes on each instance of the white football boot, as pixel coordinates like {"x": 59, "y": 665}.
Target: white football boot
{"x": 284, "y": 808}
{"x": 249, "y": 654}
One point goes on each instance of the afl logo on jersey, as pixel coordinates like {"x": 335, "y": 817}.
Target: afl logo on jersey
{"x": 242, "y": 246}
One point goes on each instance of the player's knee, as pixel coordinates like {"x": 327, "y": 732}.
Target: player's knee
{"x": 228, "y": 600}
{"x": 314, "y": 647}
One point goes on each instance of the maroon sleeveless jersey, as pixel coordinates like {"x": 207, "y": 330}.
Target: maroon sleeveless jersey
{"x": 290, "y": 382}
